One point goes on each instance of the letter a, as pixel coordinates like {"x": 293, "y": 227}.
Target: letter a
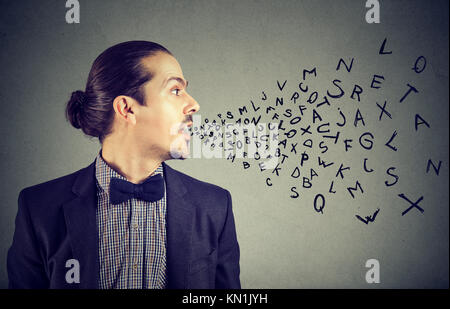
{"x": 73, "y": 274}
{"x": 373, "y": 274}
{"x": 73, "y": 15}
{"x": 373, "y": 14}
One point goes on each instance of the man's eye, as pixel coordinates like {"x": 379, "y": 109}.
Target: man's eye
{"x": 176, "y": 90}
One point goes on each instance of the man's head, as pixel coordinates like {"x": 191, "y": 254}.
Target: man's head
{"x": 136, "y": 92}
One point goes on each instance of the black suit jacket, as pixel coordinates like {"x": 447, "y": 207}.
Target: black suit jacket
{"x": 56, "y": 222}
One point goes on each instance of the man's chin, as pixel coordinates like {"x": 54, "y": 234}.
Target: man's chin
{"x": 180, "y": 149}
{"x": 176, "y": 157}
{"x": 179, "y": 154}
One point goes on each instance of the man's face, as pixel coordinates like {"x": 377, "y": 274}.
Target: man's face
{"x": 169, "y": 108}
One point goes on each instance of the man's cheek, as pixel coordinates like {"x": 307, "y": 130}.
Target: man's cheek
{"x": 179, "y": 147}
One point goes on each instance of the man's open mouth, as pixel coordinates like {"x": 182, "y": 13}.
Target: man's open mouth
{"x": 185, "y": 129}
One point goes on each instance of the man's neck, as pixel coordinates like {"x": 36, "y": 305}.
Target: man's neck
{"x": 130, "y": 164}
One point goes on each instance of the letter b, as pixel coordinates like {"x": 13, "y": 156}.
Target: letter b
{"x": 306, "y": 182}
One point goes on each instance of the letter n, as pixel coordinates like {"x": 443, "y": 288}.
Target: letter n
{"x": 436, "y": 169}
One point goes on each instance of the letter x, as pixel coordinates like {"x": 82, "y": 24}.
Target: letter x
{"x": 412, "y": 204}
{"x": 306, "y": 130}
{"x": 383, "y": 110}
{"x": 295, "y": 150}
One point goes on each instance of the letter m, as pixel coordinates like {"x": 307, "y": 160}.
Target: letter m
{"x": 242, "y": 110}
{"x": 355, "y": 188}
{"x": 309, "y": 72}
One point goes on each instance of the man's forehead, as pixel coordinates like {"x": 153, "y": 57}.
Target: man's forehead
{"x": 163, "y": 66}
{"x": 180, "y": 80}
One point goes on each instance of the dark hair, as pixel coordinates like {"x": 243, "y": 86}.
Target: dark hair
{"x": 116, "y": 71}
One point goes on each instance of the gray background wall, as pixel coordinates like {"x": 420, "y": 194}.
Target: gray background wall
{"x": 230, "y": 52}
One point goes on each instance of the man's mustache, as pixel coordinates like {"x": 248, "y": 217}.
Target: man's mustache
{"x": 187, "y": 118}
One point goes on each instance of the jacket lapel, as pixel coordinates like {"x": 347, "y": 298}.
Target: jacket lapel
{"x": 80, "y": 216}
{"x": 180, "y": 214}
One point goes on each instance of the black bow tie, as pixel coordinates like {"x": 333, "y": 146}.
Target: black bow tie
{"x": 150, "y": 190}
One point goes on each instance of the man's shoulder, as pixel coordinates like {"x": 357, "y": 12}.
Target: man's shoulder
{"x": 51, "y": 191}
{"x": 197, "y": 187}
{"x": 194, "y": 182}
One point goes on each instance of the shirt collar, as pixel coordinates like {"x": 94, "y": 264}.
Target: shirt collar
{"x": 104, "y": 172}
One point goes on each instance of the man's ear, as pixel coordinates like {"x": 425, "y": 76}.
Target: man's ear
{"x": 124, "y": 108}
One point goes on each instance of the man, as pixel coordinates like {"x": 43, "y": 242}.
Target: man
{"x": 128, "y": 220}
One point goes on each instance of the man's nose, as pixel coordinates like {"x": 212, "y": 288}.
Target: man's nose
{"x": 193, "y": 106}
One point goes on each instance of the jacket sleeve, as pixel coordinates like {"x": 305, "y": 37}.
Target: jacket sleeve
{"x": 24, "y": 263}
{"x": 227, "y": 272}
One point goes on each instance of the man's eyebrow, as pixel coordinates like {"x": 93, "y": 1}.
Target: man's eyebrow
{"x": 178, "y": 79}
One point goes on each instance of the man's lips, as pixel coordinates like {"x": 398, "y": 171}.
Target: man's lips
{"x": 184, "y": 129}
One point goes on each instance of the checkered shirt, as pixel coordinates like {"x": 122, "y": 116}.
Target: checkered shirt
{"x": 132, "y": 237}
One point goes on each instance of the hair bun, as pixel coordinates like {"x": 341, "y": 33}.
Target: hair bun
{"x": 78, "y": 98}
{"x": 75, "y": 108}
